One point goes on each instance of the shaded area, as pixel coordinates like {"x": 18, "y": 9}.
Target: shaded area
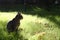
{"x": 53, "y": 19}
{"x": 21, "y": 7}
{"x": 15, "y": 7}
{"x": 11, "y": 7}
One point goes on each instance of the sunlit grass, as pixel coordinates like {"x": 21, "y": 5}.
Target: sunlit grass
{"x": 31, "y": 26}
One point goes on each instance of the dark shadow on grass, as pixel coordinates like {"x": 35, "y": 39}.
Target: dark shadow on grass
{"x": 54, "y": 20}
{"x": 42, "y": 12}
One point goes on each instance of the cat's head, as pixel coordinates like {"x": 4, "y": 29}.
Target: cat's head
{"x": 19, "y": 15}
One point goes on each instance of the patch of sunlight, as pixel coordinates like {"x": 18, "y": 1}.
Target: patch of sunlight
{"x": 37, "y": 36}
{"x": 29, "y": 21}
{"x": 29, "y": 17}
{"x": 7, "y": 15}
{"x": 42, "y": 20}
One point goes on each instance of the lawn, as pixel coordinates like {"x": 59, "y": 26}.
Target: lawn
{"x": 37, "y": 24}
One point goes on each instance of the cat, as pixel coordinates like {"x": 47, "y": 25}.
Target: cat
{"x": 14, "y": 23}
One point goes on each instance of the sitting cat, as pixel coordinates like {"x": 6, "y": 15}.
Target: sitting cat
{"x": 14, "y": 24}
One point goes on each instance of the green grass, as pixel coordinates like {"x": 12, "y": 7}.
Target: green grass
{"x": 31, "y": 25}
{"x": 37, "y": 24}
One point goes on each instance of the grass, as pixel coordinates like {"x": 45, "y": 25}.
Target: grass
{"x": 37, "y": 24}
